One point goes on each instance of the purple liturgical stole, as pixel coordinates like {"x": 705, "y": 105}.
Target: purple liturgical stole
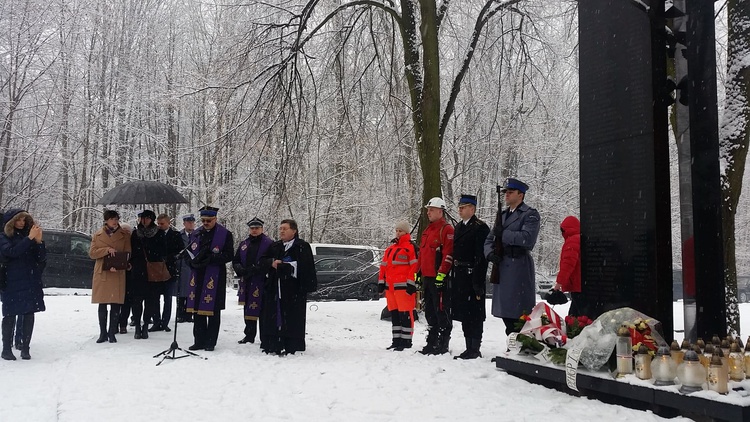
{"x": 206, "y": 297}
{"x": 251, "y": 288}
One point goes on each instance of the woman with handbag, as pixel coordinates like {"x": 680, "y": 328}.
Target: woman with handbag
{"x": 108, "y": 284}
{"x": 147, "y": 266}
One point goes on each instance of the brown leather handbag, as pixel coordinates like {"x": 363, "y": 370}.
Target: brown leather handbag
{"x": 156, "y": 271}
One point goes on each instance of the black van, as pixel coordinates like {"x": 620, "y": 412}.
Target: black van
{"x": 68, "y": 262}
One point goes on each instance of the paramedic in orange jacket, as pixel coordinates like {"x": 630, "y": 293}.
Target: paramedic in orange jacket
{"x": 435, "y": 261}
{"x": 396, "y": 278}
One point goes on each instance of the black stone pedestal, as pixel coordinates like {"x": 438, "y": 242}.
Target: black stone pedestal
{"x": 662, "y": 402}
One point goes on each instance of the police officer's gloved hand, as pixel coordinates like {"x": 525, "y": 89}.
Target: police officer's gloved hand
{"x": 411, "y": 289}
{"x": 381, "y": 287}
{"x": 494, "y": 258}
{"x": 440, "y": 281}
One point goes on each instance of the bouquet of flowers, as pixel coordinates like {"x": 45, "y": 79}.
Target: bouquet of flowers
{"x": 640, "y": 334}
{"x": 574, "y": 325}
{"x": 538, "y": 331}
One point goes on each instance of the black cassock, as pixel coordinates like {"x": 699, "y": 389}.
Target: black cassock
{"x": 283, "y": 314}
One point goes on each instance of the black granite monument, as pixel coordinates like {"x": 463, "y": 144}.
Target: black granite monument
{"x": 624, "y": 160}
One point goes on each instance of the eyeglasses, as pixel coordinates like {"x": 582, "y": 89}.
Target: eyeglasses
{"x": 207, "y": 220}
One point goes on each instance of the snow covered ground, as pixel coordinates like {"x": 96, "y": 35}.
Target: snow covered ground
{"x": 345, "y": 375}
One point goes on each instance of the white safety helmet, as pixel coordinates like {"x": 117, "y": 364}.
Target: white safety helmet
{"x": 436, "y": 202}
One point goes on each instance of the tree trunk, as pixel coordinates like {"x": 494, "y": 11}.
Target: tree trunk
{"x": 734, "y": 141}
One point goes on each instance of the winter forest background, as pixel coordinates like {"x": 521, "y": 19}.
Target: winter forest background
{"x": 199, "y": 94}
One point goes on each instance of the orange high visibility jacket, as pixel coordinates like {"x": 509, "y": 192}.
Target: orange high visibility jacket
{"x": 439, "y": 234}
{"x": 399, "y": 264}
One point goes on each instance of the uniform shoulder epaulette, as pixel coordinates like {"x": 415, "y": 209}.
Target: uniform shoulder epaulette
{"x": 479, "y": 222}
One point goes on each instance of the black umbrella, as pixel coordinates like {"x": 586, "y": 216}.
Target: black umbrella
{"x": 142, "y": 192}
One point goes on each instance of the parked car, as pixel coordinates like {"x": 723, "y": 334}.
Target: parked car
{"x": 359, "y": 252}
{"x": 342, "y": 278}
{"x": 544, "y": 282}
{"x": 68, "y": 262}
{"x": 743, "y": 288}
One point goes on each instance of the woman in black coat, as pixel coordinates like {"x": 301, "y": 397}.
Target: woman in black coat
{"x": 146, "y": 242}
{"x": 24, "y": 254}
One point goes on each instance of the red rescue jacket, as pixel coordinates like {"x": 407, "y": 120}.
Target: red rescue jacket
{"x": 399, "y": 264}
{"x": 439, "y": 234}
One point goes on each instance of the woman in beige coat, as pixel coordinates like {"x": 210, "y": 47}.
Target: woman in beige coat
{"x": 108, "y": 286}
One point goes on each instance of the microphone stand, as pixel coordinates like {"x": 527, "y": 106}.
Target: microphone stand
{"x": 174, "y": 347}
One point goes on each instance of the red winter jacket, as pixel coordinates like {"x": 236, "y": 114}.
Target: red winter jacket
{"x": 569, "y": 276}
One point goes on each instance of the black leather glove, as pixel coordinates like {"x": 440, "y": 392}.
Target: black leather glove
{"x": 479, "y": 290}
{"x": 494, "y": 258}
{"x": 239, "y": 269}
{"x": 381, "y": 287}
{"x": 411, "y": 289}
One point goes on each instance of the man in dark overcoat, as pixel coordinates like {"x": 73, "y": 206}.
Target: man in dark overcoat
{"x": 211, "y": 247}
{"x": 514, "y": 289}
{"x": 291, "y": 276}
{"x": 469, "y": 275}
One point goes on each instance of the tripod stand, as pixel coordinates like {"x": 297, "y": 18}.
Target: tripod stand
{"x": 174, "y": 347}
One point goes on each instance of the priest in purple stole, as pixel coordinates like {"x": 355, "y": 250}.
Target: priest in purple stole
{"x": 252, "y": 276}
{"x": 291, "y": 275}
{"x": 211, "y": 247}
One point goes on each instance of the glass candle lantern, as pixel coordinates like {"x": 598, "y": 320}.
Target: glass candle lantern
{"x": 664, "y": 367}
{"x": 643, "y": 363}
{"x": 725, "y": 346}
{"x": 676, "y": 352}
{"x": 736, "y": 363}
{"x": 691, "y": 373}
{"x": 701, "y": 344}
{"x": 716, "y": 340}
{"x": 747, "y": 358}
{"x": 708, "y": 352}
{"x": 624, "y": 351}
{"x": 718, "y": 379}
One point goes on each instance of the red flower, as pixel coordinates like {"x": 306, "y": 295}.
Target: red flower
{"x": 569, "y": 320}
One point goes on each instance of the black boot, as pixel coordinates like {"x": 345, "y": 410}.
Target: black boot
{"x": 405, "y": 344}
{"x": 7, "y": 333}
{"x": 138, "y": 335}
{"x": 102, "y": 324}
{"x": 444, "y": 339}
{"x": 468, "y": 347}
{"x": 114, "y": 319}
{"x": 432, "y": 342}
{"x": 395, "y": 344}
{"x": 144, "y": 330}
{"x": 28, "y": 329}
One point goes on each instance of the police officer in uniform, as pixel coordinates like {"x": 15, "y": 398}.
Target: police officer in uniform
{"x": 469, "y": 276}
{"x": 516, "y": 230}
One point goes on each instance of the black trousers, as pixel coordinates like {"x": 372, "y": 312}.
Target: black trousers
{"x": 473, "y": 329}
{"x": 206, "y": 329}
{"x": 437, "y": 306}
{"x": 251, "y": 328}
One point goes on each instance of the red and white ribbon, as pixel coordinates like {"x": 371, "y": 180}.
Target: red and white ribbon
{"x": 552, "y": 332}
